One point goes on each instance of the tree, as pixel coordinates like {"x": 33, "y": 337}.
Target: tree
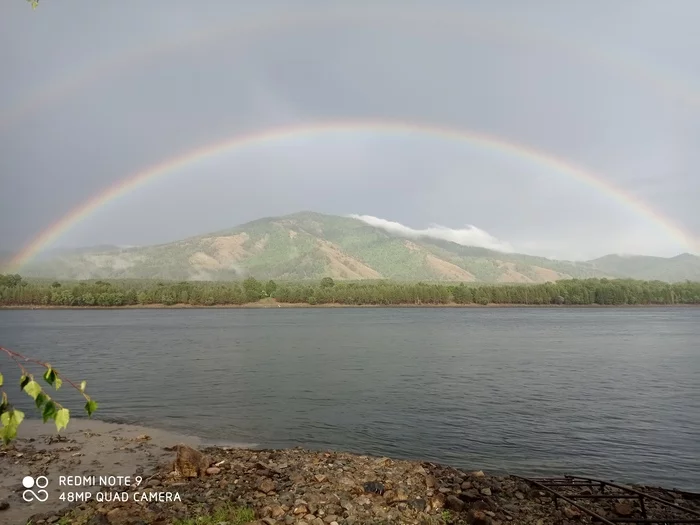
{"x": 253, "y": 289}
{"x": 10, "y": 280}
{"x": 327, "y": 282}
{"x": 270, "y": 287}
{"x": 49, "y": 408}
{"x": 34, "y": 3}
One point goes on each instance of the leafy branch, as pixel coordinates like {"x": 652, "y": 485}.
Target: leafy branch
{"x": 49, "y": 408}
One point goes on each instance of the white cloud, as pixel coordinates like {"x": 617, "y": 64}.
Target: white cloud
{"x": 467, "y": 236}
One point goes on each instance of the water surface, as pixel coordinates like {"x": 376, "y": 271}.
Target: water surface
{"x": 612, "y": 393}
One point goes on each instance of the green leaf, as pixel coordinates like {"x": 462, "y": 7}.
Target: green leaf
{"x": 41, "y": 399}
{"x": 23, "y": 381}
{"x": 8, "y": 434}
{"x": 49, "y": 376}
{"x": 62, "y": 417}
{"x": 10, "y": 421}
{"x": 18, "y": 416}
{"x": 57, "y": 382}
{"x": 90, "y": 407}
{"x": 33, "y": 389}
{"x": 83, "y": 384}
{"x": 1, "y": 380}
{"x": 49, "y": 411}
{"x": 12, "y": 418}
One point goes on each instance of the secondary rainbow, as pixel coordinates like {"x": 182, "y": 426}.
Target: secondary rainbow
{"x": 241, "y": 141}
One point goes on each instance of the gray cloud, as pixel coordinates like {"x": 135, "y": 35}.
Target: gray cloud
{"x": 94, "y": 93}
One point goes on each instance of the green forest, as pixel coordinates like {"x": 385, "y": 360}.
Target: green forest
{"x": 16, "y": 291}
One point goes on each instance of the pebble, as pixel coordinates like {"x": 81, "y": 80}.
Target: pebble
{"x": 330, "y": 488}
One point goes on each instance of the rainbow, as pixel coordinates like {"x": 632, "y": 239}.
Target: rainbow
{"x": 241, "y": 141}
{"x": 427, "y": 20}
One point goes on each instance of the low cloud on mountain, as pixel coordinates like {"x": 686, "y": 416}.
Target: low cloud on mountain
{"x": 467, "y": 236}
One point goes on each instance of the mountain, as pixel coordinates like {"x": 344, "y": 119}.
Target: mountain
{"x": 310, "y": 245}
{"x": 679, "y": 268}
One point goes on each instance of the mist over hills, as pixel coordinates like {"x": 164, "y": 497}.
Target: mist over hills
{"x": 310, "y": 245}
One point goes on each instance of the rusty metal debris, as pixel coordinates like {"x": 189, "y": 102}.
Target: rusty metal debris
{"x": 649, "y": 508}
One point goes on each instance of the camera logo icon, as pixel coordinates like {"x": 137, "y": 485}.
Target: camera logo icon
{"x": 41, "y": 482}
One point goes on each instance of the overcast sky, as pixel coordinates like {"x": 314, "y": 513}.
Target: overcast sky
{"x": 93, "y": 92}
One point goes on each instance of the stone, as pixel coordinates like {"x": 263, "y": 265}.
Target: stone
{"x": 320, "y": 478}
{"x": 418, "y": 504}
{"x": 4, "y": 505}
{"x": 466, "y": 485}
{"x": 523, "y": 487}
{"x": 276, "y": 512}
{"x": 478, "y": 474}
{"x": 571, "y": 512}
{"x": 454, "y": 503}
{"x": 480, "y": 505}
{"x": 212, "y": 471}
{"x": 519, "y": 495}
{"x": 375, "y": 487}
{"x": 300, "y": 510}
{"x": 266, "y": 485}
{"x": 430, "y": 482}
{"x": 190, "y": 463}
{"x": 269, "y": 521}
{"x": 117, "y": 516}
{"x": 363, "y": 501}
{"x": 98, "y": 519}
{"x": 478, "y": 517}
{"x": 399, "y": 495}
{"x": 470, "y": 495}
{"x": 623, "y": 508}
{"x": 486, "y": 491}
{"x": 437, "y": 501}
{"x": 346, "y": 480}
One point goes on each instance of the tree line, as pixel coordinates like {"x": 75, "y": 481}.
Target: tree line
{"x": 16, "y": 291}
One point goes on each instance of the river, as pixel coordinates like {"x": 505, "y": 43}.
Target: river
{"x": 611, "y": 393}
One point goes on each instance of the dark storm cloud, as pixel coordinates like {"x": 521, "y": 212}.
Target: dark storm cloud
{"x": 610, "y": 87}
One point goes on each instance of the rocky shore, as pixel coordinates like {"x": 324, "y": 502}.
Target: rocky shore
{"x": 182, "y": 485}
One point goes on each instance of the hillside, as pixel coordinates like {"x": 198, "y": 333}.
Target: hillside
{"x": 680, "y": 268}
{"x": 311, "y": 245}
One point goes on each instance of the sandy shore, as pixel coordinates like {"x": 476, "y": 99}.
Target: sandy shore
{"x": 85, "y": 448}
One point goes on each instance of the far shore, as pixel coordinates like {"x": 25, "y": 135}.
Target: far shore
{"x": 334, "y": 305}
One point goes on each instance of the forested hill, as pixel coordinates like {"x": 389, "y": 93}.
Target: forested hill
{"x": 311, "y": 246}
